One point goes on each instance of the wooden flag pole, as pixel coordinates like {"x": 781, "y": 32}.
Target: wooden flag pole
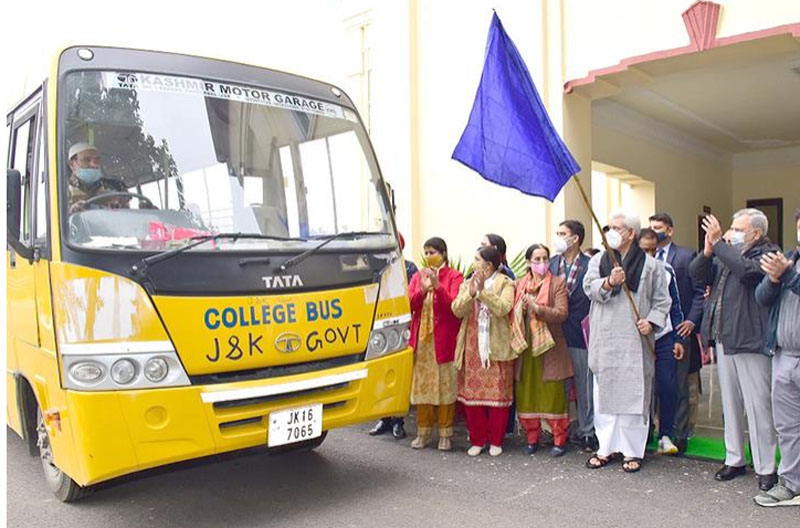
{"x": 613, "y": 257}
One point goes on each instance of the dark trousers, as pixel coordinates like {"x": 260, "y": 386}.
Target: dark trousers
{"x": 666, "y": 385}
{"x": 683, "y": 411}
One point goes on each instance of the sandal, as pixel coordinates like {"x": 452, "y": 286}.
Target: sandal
{"x": 596, "y": 461}
{"x": 631, "y": 465}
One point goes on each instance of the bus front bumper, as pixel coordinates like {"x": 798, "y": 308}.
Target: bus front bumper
{"x": 121, "y": 432}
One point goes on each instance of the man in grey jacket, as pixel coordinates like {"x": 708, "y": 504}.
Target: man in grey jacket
{"x": 736, "y": 325}
{"x": 780, "y": 290}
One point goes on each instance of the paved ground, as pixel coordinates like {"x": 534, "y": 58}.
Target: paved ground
{"x": 354, "y": 480}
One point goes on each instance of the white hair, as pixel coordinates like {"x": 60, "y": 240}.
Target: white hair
{"x": 758, "y": 220}
{"x": 631, "y": 219}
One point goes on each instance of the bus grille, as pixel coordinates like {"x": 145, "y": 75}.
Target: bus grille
{"x": 276, "y": 372}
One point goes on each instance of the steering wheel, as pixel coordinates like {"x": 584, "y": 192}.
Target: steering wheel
{"x": 92, "y": 203}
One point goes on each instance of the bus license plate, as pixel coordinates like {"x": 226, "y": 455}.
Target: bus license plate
{"x": 294, "y": 425}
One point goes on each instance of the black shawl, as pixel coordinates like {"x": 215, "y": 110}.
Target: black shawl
{"x": 633, "y": 264}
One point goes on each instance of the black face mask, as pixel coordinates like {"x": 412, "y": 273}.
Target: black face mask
{"x": 660, "y": 236}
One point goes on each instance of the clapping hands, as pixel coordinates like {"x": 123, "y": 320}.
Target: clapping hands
{"x": 713, "y": 234}
{"x": 775, "y": 265}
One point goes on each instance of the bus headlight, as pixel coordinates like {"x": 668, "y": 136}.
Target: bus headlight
{"x": 123, "y": 371}
{"x": 86, "y": 371}
{"x": 122, "y": 366}
{"x": 377, "y": 343}
{"x": 392, "y": 338}
{"x": 388, "y": 336}
{"x": 156, "y": 369}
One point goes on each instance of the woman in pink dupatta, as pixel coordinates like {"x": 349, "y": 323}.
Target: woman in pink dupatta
{"x": 541, "y": 305}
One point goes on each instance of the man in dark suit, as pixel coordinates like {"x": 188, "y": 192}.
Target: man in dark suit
{"x": 571, "y": 263}
{"x": 691, "y": 296}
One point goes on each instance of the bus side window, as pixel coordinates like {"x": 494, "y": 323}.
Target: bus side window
{"x": 41, "y": 194}
{"x": 22, "y": 160}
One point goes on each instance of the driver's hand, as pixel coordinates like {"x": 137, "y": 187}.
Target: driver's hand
{"x": 78, "y": 206}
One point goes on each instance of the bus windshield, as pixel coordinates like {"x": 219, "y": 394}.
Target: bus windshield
{"x": 155, "y": 160}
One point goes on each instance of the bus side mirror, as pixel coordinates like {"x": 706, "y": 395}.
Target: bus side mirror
{"x": 13, "y": 213}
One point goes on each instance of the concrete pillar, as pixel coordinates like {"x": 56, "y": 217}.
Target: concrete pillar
{"x": 571, "y": 116}
{"x": 578, "y": 137}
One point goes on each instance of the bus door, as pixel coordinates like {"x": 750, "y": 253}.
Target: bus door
{"x": 22, "y": 256}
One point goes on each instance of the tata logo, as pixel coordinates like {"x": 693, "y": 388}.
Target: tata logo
{"x": 288, "y": 342}
{"x": 282, "y": 281}
{"x": 126, "y": 80}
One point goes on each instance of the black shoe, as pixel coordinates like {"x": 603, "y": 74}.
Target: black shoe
{"x": 557, "y": 450}
{"x": 681, "y": 444}
{"x": 530, "y": 449}
{"x": 729, "y": 472}
{"x": 380, "y": 428}
{"x": 765, "y": 482}
{"x": 398, "y": 432}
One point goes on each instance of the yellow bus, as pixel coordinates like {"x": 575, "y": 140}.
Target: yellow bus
{"x": 201, "y": 258}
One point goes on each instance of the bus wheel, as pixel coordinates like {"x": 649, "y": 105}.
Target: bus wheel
{"x": 63, "y": 487}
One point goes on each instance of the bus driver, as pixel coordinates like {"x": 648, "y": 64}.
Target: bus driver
{"x": 87, "y": 181}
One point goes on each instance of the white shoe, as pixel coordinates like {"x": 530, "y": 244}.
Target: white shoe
{"x": 495, "y": 450}
{"x": 475, "y": 451}
{"x": 666, "y": 447}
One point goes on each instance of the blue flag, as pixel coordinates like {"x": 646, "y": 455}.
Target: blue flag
{"x": 509, "y": 138}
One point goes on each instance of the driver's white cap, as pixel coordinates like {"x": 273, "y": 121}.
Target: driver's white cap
{"x": 79, "y": 147}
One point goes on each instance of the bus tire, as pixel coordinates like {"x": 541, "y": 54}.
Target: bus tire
{"x": 62, "y": 486}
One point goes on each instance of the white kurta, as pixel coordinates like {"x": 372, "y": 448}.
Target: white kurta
{"x": 619, "y": 356}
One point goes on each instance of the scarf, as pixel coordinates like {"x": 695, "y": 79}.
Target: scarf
{"x": 541, "y": 338}
{"x": 426, "y": 317}
{"x": 574, "y": 271}
{"x": 633, "y": 264}
{"x": 484, "y": 319}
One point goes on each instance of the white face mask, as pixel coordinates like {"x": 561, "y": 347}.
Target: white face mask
{"x": 560, "y": 245}
{"x": 737, "y": 238}
{"x": 798, "y": 236}
{"x": 614, "y": 239}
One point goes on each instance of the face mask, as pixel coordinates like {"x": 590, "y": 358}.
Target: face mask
{"x": 614, "y": 239}
{"x": 798, "y": 236}
{"x": 660, "y": 236}
{"x": 89, "y": 175}
{"x": 560, "y": 245}
{"x": 737, "y": 238}
{"x": 540, "y": 268}
{"x": 434, "y": 261}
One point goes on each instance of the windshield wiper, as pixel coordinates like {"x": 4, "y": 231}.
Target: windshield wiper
{"x": 307, "y": 253}
{"x": 140, "y": 268}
